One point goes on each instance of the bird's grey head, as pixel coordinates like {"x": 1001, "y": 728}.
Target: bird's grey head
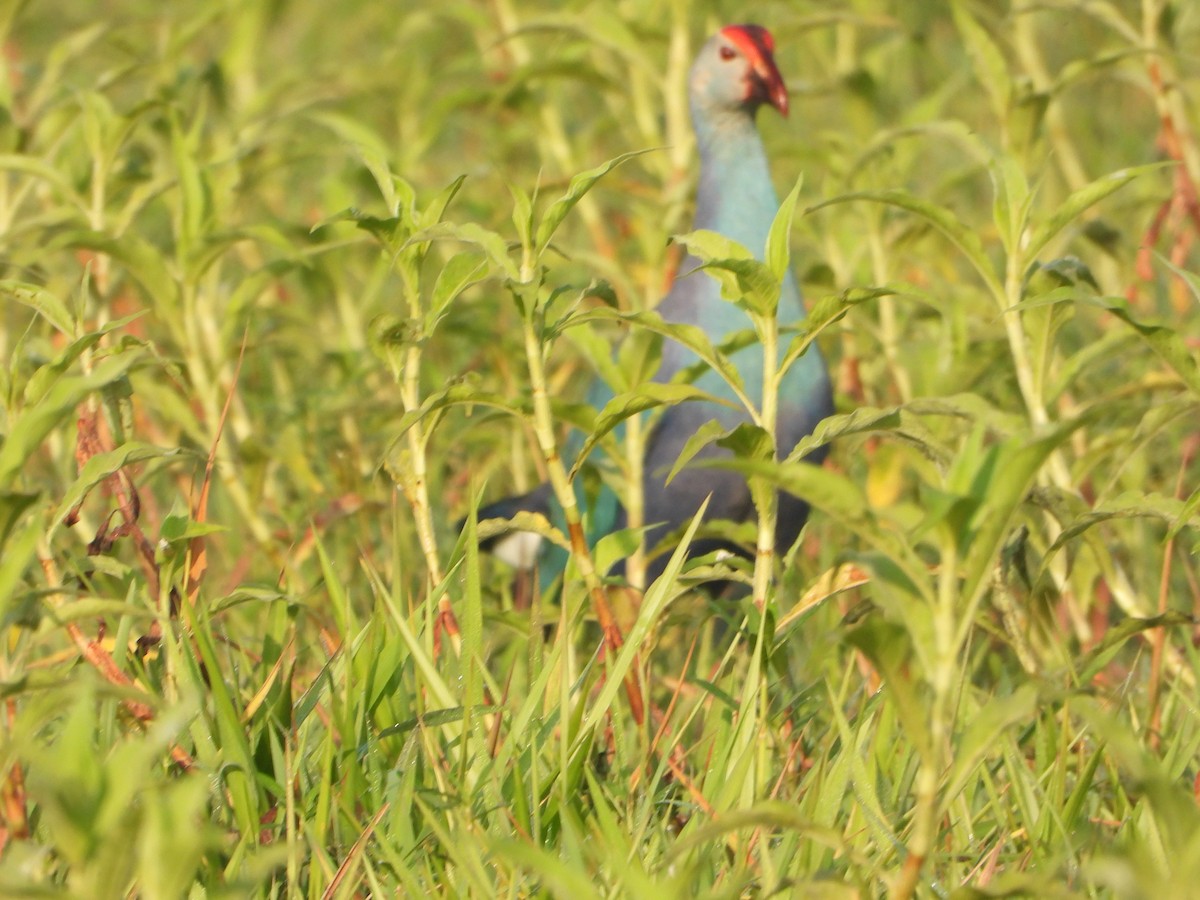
{"x": 736, "y": 71}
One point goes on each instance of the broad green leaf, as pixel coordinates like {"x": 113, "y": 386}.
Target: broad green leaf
{"x": 712, "y": 246}
{"x": 580, "y": 185}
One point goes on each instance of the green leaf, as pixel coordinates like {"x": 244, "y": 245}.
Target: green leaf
{"x": 522, "y": 215}
{"x": 616, "y": 546}
{"x": 990, "y": 68}
{"x": 13, "y": 505}
{"x": 372, "y": 151}
{"x": 1000, "y": 485}
{"x": 640, "y": 355}
{"x": 1191, "y": 279}
{"x": 748, "y": 441}
{"x": 706, "y": 434}
{"x": 743, "y": 279}
{"x": 983, "y": 732}
{"x": 1115, "y": 637}
{"x": 1080, "y": 200}
{"x": 965, "y": 238}
{"x": 41, "y": 380}
{"x": 769, "y": 815}
{"x": 459, "y": 394}
{"x": 690, "y": 336}
{"x": 492, "y": 244}
{"x": 643, "y": 397}
{"x": 657, "y": 596}
{"x": 35, "y": 423}
{"x": 101, "y": 466}
{"x": 1129, "y": 505}
{"x": 436, "y": 209}
{"x": 461, "y": 271}
{"x": 51, "y": 308}
{"x": 1166, "y": 342}
{"x": 889, "y": 647}
{"x": 898, "y": 422}
{"x": 25, "y": 164}
{"x": 141, "y": 259}
{"x": 18, "y": 546}
{"x": 580, "y": 185}
{"x": 778, "y": 252}
{"x": 826, "y": 312}
{"x": 1011, "y": 200}
{"x": 532, "y": 522}
{"x": 823, "y": 489}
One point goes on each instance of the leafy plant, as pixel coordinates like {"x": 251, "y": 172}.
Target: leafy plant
{"x": 290, "y": 288}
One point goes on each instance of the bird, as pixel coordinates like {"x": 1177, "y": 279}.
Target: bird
{"x": 733, "y": 76}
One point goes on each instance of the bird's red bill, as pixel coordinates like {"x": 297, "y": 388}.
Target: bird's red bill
{"x": 758, "y": 46}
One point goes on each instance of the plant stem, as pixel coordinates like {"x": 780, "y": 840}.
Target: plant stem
{"x": 564, "y": 491}
{"x": 766, "y": 499}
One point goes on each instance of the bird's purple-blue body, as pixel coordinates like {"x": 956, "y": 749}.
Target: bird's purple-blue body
{"x": 734, "y": 74}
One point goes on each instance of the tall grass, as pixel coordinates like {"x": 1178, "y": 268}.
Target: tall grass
{"x": 289, "y": 288}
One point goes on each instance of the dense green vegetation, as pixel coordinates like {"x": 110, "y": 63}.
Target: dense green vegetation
{"x": 245, "y": 652}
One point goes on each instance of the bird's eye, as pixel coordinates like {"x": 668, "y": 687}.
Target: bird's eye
{"x": 728, "y": 53}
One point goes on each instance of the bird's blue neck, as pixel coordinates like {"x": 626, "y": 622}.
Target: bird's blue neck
{"x": 735, "y": 195}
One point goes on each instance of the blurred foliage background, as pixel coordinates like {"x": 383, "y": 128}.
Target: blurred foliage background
{"x": 226, "y": 668}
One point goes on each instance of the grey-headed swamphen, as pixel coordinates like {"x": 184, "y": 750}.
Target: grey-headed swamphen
{"x": 734, "y": 74}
